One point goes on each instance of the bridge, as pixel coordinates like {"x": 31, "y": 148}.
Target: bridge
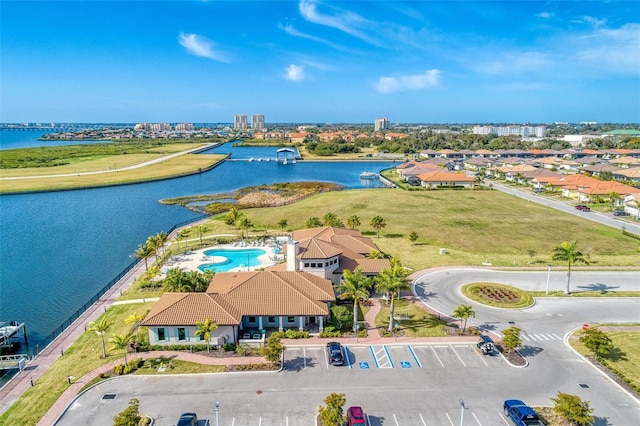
{"x": 11, "y": 362}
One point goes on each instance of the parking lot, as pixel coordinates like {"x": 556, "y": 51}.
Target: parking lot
{"x": 393, "y": 356}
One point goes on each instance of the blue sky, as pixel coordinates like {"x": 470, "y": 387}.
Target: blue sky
{"x": 316, "y": 61}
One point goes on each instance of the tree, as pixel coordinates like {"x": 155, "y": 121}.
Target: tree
{"x": 233, "y": 216}
{"x": 573, "y": 409}
{"x": 313, "y": 222}
{"x": 378, "y": 222}
{"x": 202, "y": 229}
{"x": 413, "y": 236}
{"x": 130, "y": 416}
{"x": 354, "y": 286}
{"x": 135, "y": 319}
{"x": 613, "y": 197}
{"x": 100, "y": 327}
{"x": 273, "y": 350}
{"x": 353, "y": 221}
{"x": 341, "y": 315}
{"x": 144, "y": 252}
{"x": 204, "y": 329}
{"x": 568, "y": 252}
{"x": 121, "y": 341}
{"x": 464, "y": 312}
{"x": 244, "y": 224}
{"x": 597, "y": 341}
{"x": 375, "y": 254}
{"x": 183, "y": 234}
{"x": 332, "y": 413}
{"x": 158, "y": 241}
{"x": 283, "y": 224}
{"x": 330, "y": 219}
{"x": 392, "y": 280}
{"x": 511, "y": 338}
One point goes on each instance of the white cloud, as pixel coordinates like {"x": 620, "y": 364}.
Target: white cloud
{"x": 294, "y": 73}
{"x": 201, "y": 46}
{"x": 544, "y": 15}
{"x": 612, "y": 50}
{"x": 344, "y": 21}
{"x": 512, "y": 63}
{"x": 425, "y": 80}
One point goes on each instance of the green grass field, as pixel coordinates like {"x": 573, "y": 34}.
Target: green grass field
{"x": 473, "y": 226}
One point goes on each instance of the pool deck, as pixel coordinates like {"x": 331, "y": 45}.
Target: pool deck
{"x": 190, "y": 260}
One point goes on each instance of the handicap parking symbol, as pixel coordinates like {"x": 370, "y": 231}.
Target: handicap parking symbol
{"x": 405, "y": 364}
{"x": 364, "y": 365}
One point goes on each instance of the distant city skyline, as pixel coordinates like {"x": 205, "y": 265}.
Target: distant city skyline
{"x": 312, "y": 61}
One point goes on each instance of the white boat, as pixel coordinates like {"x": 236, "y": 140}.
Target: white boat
{"x": 369, "y": 175}
{"x": 268, "y": 159}
{"x": 251, "y": 159}
{"x": 260, "y": 159}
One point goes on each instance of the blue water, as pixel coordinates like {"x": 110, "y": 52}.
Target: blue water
{"x": 58, "y": 249}
{"x": 241, "y": 258}
{"x": 11, "y": 139}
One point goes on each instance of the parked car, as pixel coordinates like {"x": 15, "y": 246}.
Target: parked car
{"x": 620, "y": 213}
{"x": 335, "y": 353}
{"x": 486, "y": 345}
{"x": 583, "y": 208}
{"x": 188, "y": 419}
{"x": 521, "y": 414}
{"x": 355, "y": 416}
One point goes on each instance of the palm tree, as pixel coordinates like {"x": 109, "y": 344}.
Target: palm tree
{"x": 244, "y": 223}
{"x": 202, "y": 229}
{"x": 354, "y": 286}
{"x": 353, "y": 221}
{"x": 613, "y": 197}
{"x": 183, "y": 234}
{"x": 568, "y": 252}
{"x": 283, "y": 224}
{"x": 135, "y": 319}
{"x": 464, "y": 312}
{"x": 378, "y": 222}
{"x": 392, "y": 280}
{"x": 144, "y": 252}
{"x": 121, "y": 341}
{"x": 233, "y": 216}
{"x": 100, "y": 327}
{"x": 204, "y": 329}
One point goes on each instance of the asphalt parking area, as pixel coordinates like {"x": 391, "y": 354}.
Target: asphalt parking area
{"x": 299, "y": 358}
{"x": 454, "y": 356}
{"x": 441, "y": 417}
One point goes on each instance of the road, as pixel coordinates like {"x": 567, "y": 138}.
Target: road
{"x": 563, "y": 206}
{"x": 403, "y": 384}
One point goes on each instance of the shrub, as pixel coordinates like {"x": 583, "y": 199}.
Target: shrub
{"x": 118, "y": 369}
{"x": 229, "y": 347}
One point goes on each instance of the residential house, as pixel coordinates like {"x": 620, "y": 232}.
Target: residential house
{"x": 443, "y": 178}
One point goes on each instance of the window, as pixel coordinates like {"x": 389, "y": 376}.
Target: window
{"x": 182, "y": 334}
{"x": 271, "y": 320}
{"x": 252, "y": 320}
{"x": 290, "y": 320}
{"x": 306, "y": 264}
{"x": 162, "y": 335}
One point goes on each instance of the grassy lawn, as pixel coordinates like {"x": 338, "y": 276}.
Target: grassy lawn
{"x": 625, "y": 357}
{"x": 412, "y": 319}
{"x": 188, "y": 163}
{"x": 179, "y": 367}
{"x": 459, "y": 221}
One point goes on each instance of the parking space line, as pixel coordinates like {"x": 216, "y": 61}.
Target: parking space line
{"x": 396, "y": 420}
{"x": 556, "y": 336}
{"x": 233, "y": 422}
{"x": 480, "y": 356}
{"x": 438, "y": 358}
{"x": 414, "y": 356}
{"x": 346, "y": 354}
{"x": 544, "y": 337}
{"x": 474, "y": 416}
{"x": 388, "y": 355}
{"x": 454, "y": 351}
{"x": 524, "y": 336}
{"x": 304, "y": 356}
{"x": 422, "y": 420}
{"x": 503, "y": 419}
{"x": 450, "y": 421}
{"x": 375, "y": 358}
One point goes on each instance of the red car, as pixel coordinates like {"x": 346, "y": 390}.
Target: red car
{"x": 583, "y": 208}
{"x": 355, "y": 416}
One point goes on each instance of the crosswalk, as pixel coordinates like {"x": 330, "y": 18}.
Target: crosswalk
{"x": 540, "y": 337}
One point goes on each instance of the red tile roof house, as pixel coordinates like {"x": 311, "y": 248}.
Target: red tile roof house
{"x": 296, "y": 294}
{"x": 442, "y": 178}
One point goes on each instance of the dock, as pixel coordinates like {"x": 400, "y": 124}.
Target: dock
{"x": 8, "y": 330}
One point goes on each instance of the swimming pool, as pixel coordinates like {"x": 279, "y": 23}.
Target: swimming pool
{"x": 226, "y": 260}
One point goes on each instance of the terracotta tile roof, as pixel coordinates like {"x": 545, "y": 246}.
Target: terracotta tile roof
{"x": 275, "y": 293}
{"x": 442, "y": 176}
{"x": 189, "y": 308}
{"x": 368, "y": 266}
{"x": 314, "y": 248}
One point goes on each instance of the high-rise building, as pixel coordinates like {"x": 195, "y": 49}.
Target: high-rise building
{"x": 240, "y": 122}
{"x": 525, "y": 131}
{"x": 381, "y": 124}
{"x": 257, "y": 122}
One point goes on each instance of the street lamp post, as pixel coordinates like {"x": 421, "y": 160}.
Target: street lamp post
{"x": 462, "y": 408}
{"x": 217, "y": 410}
{"x": 548, "y": 278}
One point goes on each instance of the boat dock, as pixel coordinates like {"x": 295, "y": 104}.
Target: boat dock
{"x": 8, "y": 330}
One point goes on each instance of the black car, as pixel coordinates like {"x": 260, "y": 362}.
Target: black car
{"x": 335, "y": 354}
{"x": 620, "y": 213}
{"x": 188, "y": 419}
